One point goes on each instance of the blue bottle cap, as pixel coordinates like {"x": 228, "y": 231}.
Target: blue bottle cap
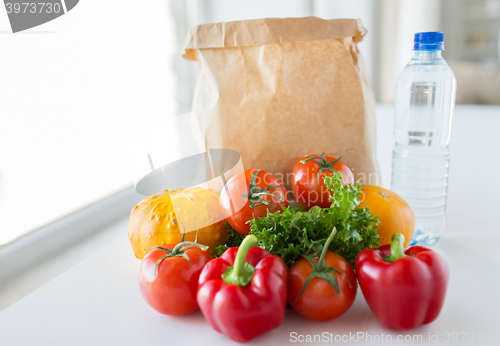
{"x": 433, "y": 40}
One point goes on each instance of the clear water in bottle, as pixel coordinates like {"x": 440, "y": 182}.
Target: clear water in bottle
{"x": 425, "y": 99}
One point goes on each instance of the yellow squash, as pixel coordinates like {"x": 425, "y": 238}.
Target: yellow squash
{"x": 159, "y": 220}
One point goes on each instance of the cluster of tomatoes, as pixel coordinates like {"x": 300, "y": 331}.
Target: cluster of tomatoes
{"x": 171, "y": 276}
{"x": 250, "y": 194}
{"x": 244, "y": 293}
{"x": 169, "y": 281}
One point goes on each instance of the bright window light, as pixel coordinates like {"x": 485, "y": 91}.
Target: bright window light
{"x": 72, "y": 93}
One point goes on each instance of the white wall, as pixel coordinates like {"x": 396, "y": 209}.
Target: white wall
{"x": 213, "y": 11}
{"x": 399, "y": 21}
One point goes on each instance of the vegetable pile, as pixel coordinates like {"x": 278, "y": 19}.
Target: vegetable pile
{"x": 273, "y": 253}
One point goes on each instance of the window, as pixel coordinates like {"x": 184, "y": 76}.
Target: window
{"x": 72, "y": 91}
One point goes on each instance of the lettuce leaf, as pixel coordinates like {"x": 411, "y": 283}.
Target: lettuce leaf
{"x": 291, "y": 234}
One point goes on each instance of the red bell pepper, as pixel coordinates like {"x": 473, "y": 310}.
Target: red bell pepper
{"x": 243, "y": 299}
{"x": 404, "y": 289}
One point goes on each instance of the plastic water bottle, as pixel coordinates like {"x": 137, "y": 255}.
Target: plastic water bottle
{"x": 425, "y": 99}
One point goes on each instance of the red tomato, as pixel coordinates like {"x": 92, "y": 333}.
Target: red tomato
{"x": 320, "y": 301}
{"x": 171, "y": 289}
{"x": 250, "y": 194}
{"x": 308, "y": 186}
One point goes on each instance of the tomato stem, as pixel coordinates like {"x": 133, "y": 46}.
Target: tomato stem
{"x": 178, "y": 248}
{"x": 322, "y": 270}
{"x": 178, "y": 251}
{"x": 324, "y": 165}
{"x": 397, "y": 248}
{"x": 255, "y": 194}
{"x": 321, "y": 261}
{"x": 241, "y": 272}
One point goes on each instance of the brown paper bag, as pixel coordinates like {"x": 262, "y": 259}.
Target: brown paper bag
{"x": 277, "y": 89}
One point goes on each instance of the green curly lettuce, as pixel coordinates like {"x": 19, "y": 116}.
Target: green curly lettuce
{"x": 291, "y": 234}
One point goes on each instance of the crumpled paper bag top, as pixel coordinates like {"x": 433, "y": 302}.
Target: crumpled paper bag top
{"x": 258, "y": 32}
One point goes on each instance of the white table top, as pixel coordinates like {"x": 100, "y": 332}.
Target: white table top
{"x": 98, "y": 302}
